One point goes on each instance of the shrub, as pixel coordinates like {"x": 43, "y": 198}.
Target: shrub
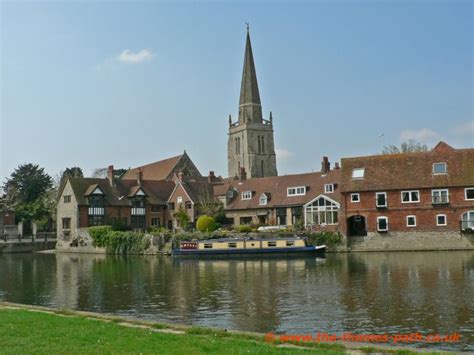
{"x": 206, "y": 224}
{"x": 99, "y": 235}
{"x": 244, "y": 228}
{"x": 329, "y": 239}
{"x": 119, "y": 242}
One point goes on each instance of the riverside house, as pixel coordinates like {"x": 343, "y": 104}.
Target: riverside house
{"x": 311, "y": 199}
{"x": 424, "y": 193}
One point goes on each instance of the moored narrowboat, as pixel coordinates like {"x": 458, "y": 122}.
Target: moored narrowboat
{"x": 248, "y": 246}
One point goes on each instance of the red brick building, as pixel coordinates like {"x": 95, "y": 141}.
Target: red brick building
{"x": 404, "y": 193}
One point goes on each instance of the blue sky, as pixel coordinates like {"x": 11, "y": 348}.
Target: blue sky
{"x": 127, "y": 83}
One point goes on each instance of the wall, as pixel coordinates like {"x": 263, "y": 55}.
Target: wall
{"x": 67, "y": 210}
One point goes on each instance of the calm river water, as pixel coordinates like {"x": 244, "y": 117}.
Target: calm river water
{"x": 366, "y": 293}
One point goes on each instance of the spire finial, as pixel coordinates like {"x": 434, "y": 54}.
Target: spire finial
{"x": 248, "y": 26}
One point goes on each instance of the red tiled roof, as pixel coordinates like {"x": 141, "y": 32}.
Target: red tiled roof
{"x": 159, "y": 170}
{"x": 276, "y": 188}
{"x": 410, "y": 170}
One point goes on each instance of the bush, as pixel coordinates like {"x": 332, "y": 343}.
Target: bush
{"x": 244, "y": 228}
{"x": 119, "y": 242}
{"x": 206, "y": 224}
{"x": 329, "y": 239}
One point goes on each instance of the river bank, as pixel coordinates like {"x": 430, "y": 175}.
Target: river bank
{"x": 28, "y": 329}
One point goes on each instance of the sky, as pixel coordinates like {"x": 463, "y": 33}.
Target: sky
{"x": 91, "y": 84}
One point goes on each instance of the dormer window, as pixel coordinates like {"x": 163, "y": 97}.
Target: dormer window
{"x": 263, "y": 200}
{"x": 296, "y": 191}
{"x": 329, "y": 188}
{"x": 440, "y": 168}
{"x": 230, "y": 193}
{"x": 246, "y": 195}
{"x": 358, "y": 173}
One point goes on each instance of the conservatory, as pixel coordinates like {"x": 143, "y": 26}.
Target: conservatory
{"x": 321, "y": 211}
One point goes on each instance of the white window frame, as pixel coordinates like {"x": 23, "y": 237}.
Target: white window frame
{"x": 298, "y": 191}
{"x": 465, "y": 193}
{"x": 411, "y": 225}
{"x": 179, "y": 199}
{"x": 358, "y": 173}
{"x": 410, "y": 192}
{"x": 377, "y": 199}
{"x": 263, "y": 198}
{"x": 246, "y": 195}
{"x": 382, "y": 230}
{"x": 445, "y": 170}
{"x": 445, "y": 220}
{"x": 358, "y": 197}
{"x": 328, "y": 188}
{"x": 439, "y": 190}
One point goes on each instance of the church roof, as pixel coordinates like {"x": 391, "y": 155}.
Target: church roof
{"x": 159, "y": 170}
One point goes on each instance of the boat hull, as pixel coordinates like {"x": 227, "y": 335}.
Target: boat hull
{"x": 316, "y": 251}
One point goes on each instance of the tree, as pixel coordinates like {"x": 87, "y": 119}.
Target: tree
{"x": 411, "y": 146}
{"x": 182, "y": 216}
{"x": 26, "y": 190}
{"x": 206, "y": 224}
{"x": 99, "y": 173}
{"x": 73, "y": 172}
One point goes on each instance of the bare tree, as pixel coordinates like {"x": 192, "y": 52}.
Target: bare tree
{"x": 411, "y": 146}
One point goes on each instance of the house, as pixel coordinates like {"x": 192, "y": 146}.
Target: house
{"x": 137, "y": 204}
{"x": 310, "y": 199}
{"x": 7, "y": 220}
{"x": 397, "y": 194}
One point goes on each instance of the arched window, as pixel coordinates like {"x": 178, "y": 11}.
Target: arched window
{"x": 467, "y": 220}
{"x": 262, "y": 144}
{"x": 321, "y": 210}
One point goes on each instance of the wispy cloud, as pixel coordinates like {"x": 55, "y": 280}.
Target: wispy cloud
{"x": 423, "y": 135}
{"x": 128, "y": 56}
{"x": 283, "y": 154}
{"x": 466, "y": 129}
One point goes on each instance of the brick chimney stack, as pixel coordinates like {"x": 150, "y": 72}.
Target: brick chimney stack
{"x": 243, "y": 174}
{"x": 212, "y": 177}
{"x": 139, "y": 176}
{"x": 336, "y": 165}
{"x": 110, "y": 175}
{"x": 325, "y": 165}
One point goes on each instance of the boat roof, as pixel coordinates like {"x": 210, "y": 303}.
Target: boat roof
{"x": 228, "y": 240}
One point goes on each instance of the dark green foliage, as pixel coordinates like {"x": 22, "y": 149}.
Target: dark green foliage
{"x": 182, "y": 216}
{"x": 206, "y": 224}
{"x": 244, "y": 228}
{"x": 73, "y": 172}
{"x": 119, "y": 242}
{"x": 329, "y": 239}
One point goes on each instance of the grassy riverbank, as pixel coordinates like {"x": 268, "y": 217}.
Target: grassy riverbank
{"x": 33, "y": 330}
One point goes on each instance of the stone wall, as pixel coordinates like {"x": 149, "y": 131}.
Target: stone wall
{"x": 411, "y": 241}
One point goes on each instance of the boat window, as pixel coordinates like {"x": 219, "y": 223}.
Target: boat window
{"x": 272, "y": 244}
{"x": 232, "y": 245}
{"x": 290, "y": 243}
{"x": 208, "y": 246}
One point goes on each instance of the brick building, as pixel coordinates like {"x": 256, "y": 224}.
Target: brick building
{"x": 398, "y": 194}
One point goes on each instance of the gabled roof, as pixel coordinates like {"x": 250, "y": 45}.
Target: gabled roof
{"x": 410, "y": 170}
{"x": 160, "y": 170}
{"x": 276, "y": 187}
{"x": 198, "y": 190}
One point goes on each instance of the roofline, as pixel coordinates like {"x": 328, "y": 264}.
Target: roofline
{"x": 324, "y": 196}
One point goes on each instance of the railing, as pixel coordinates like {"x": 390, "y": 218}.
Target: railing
{"x": 39, "y": 237}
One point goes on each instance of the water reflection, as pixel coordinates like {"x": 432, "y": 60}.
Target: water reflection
{"x": 365, "y": 293}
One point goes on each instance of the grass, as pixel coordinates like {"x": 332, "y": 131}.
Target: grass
{"x": 32, "y": 331}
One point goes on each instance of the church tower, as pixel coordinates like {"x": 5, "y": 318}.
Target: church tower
{"x": 250, "y": 145}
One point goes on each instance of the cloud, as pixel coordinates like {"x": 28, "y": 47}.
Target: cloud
{"x": 283, "y": 154}
{"x": 466, "y": 129}
{"x": 127, "y": 56}
{"x": 424, "y": 135}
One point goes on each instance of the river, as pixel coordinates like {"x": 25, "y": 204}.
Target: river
{"x": 364, "y": 293}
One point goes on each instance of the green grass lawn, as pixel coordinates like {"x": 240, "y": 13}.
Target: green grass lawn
{"x": 29, "y": 331}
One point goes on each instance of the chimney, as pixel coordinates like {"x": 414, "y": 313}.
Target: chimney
{"x": 325, "y": 165}
{"x": 140, "y": 176}
{"x": 243, "y": 174}
{"x": 110, "y": 175}
{"x": 212, "y": 177}
{"x": 336, "y": 165}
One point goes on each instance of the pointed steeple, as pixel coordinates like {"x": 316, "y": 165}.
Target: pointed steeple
{"x": 250, "y": 109}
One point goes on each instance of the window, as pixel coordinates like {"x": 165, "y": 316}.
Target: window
{"x": 232, "y": 245}
{"x": 171, "y": 206}
{"x": 138, "y": 206}
{"x": 469, "y": 193}
{"x": 245, "y": 220}
{"x": 188, "y": 205}
{"x": 322, "y": 211}
{"x": 230, "y": 193}
{"x": 66, "y": 224}
{"x": 329, "y": 188}
{"x": 441, "y": 220}
{"x": 411, "y": 221}
{"x": 382, "y": 224}
{"x": 358, "y": 173}
{"x": 440, "y": 196}
{"x": 355, "y": 197}
{"x": 155, "y": 208}
{"x": 67, "y": 198}
{"x": 296, "y": 191}
{"x": 96, "y": 211}
{"x": 381, "y": 199}
{"x": 263, "y": 200}
{"x": 155, "y": 222}
{"x": 272, "y": 244}
{"x": 237, "y": 145}
{"x": 281, "y": 216}
{"x": 410, "y": 196}
{"x": 207, "y": 246}
{"x": 246, "y": 195}
{"x": 290, "y": 243}
{"x": 440, "y": 168}
{"x": 179, "y": 199}
{"x": 467, "y": 220}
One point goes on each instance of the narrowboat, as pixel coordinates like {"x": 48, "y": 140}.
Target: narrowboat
{"x": 248, "y": 246}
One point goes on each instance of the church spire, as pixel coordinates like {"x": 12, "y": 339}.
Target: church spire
{"x": 250, "y": 109}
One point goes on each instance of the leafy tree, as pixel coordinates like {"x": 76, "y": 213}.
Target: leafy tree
{"x": 410, "y": 146}
{"x": 182, "y": 216}
{"x": 75, "y": 171}
{"x": 26, "y": 190}
{"x": 99, "y": 173}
